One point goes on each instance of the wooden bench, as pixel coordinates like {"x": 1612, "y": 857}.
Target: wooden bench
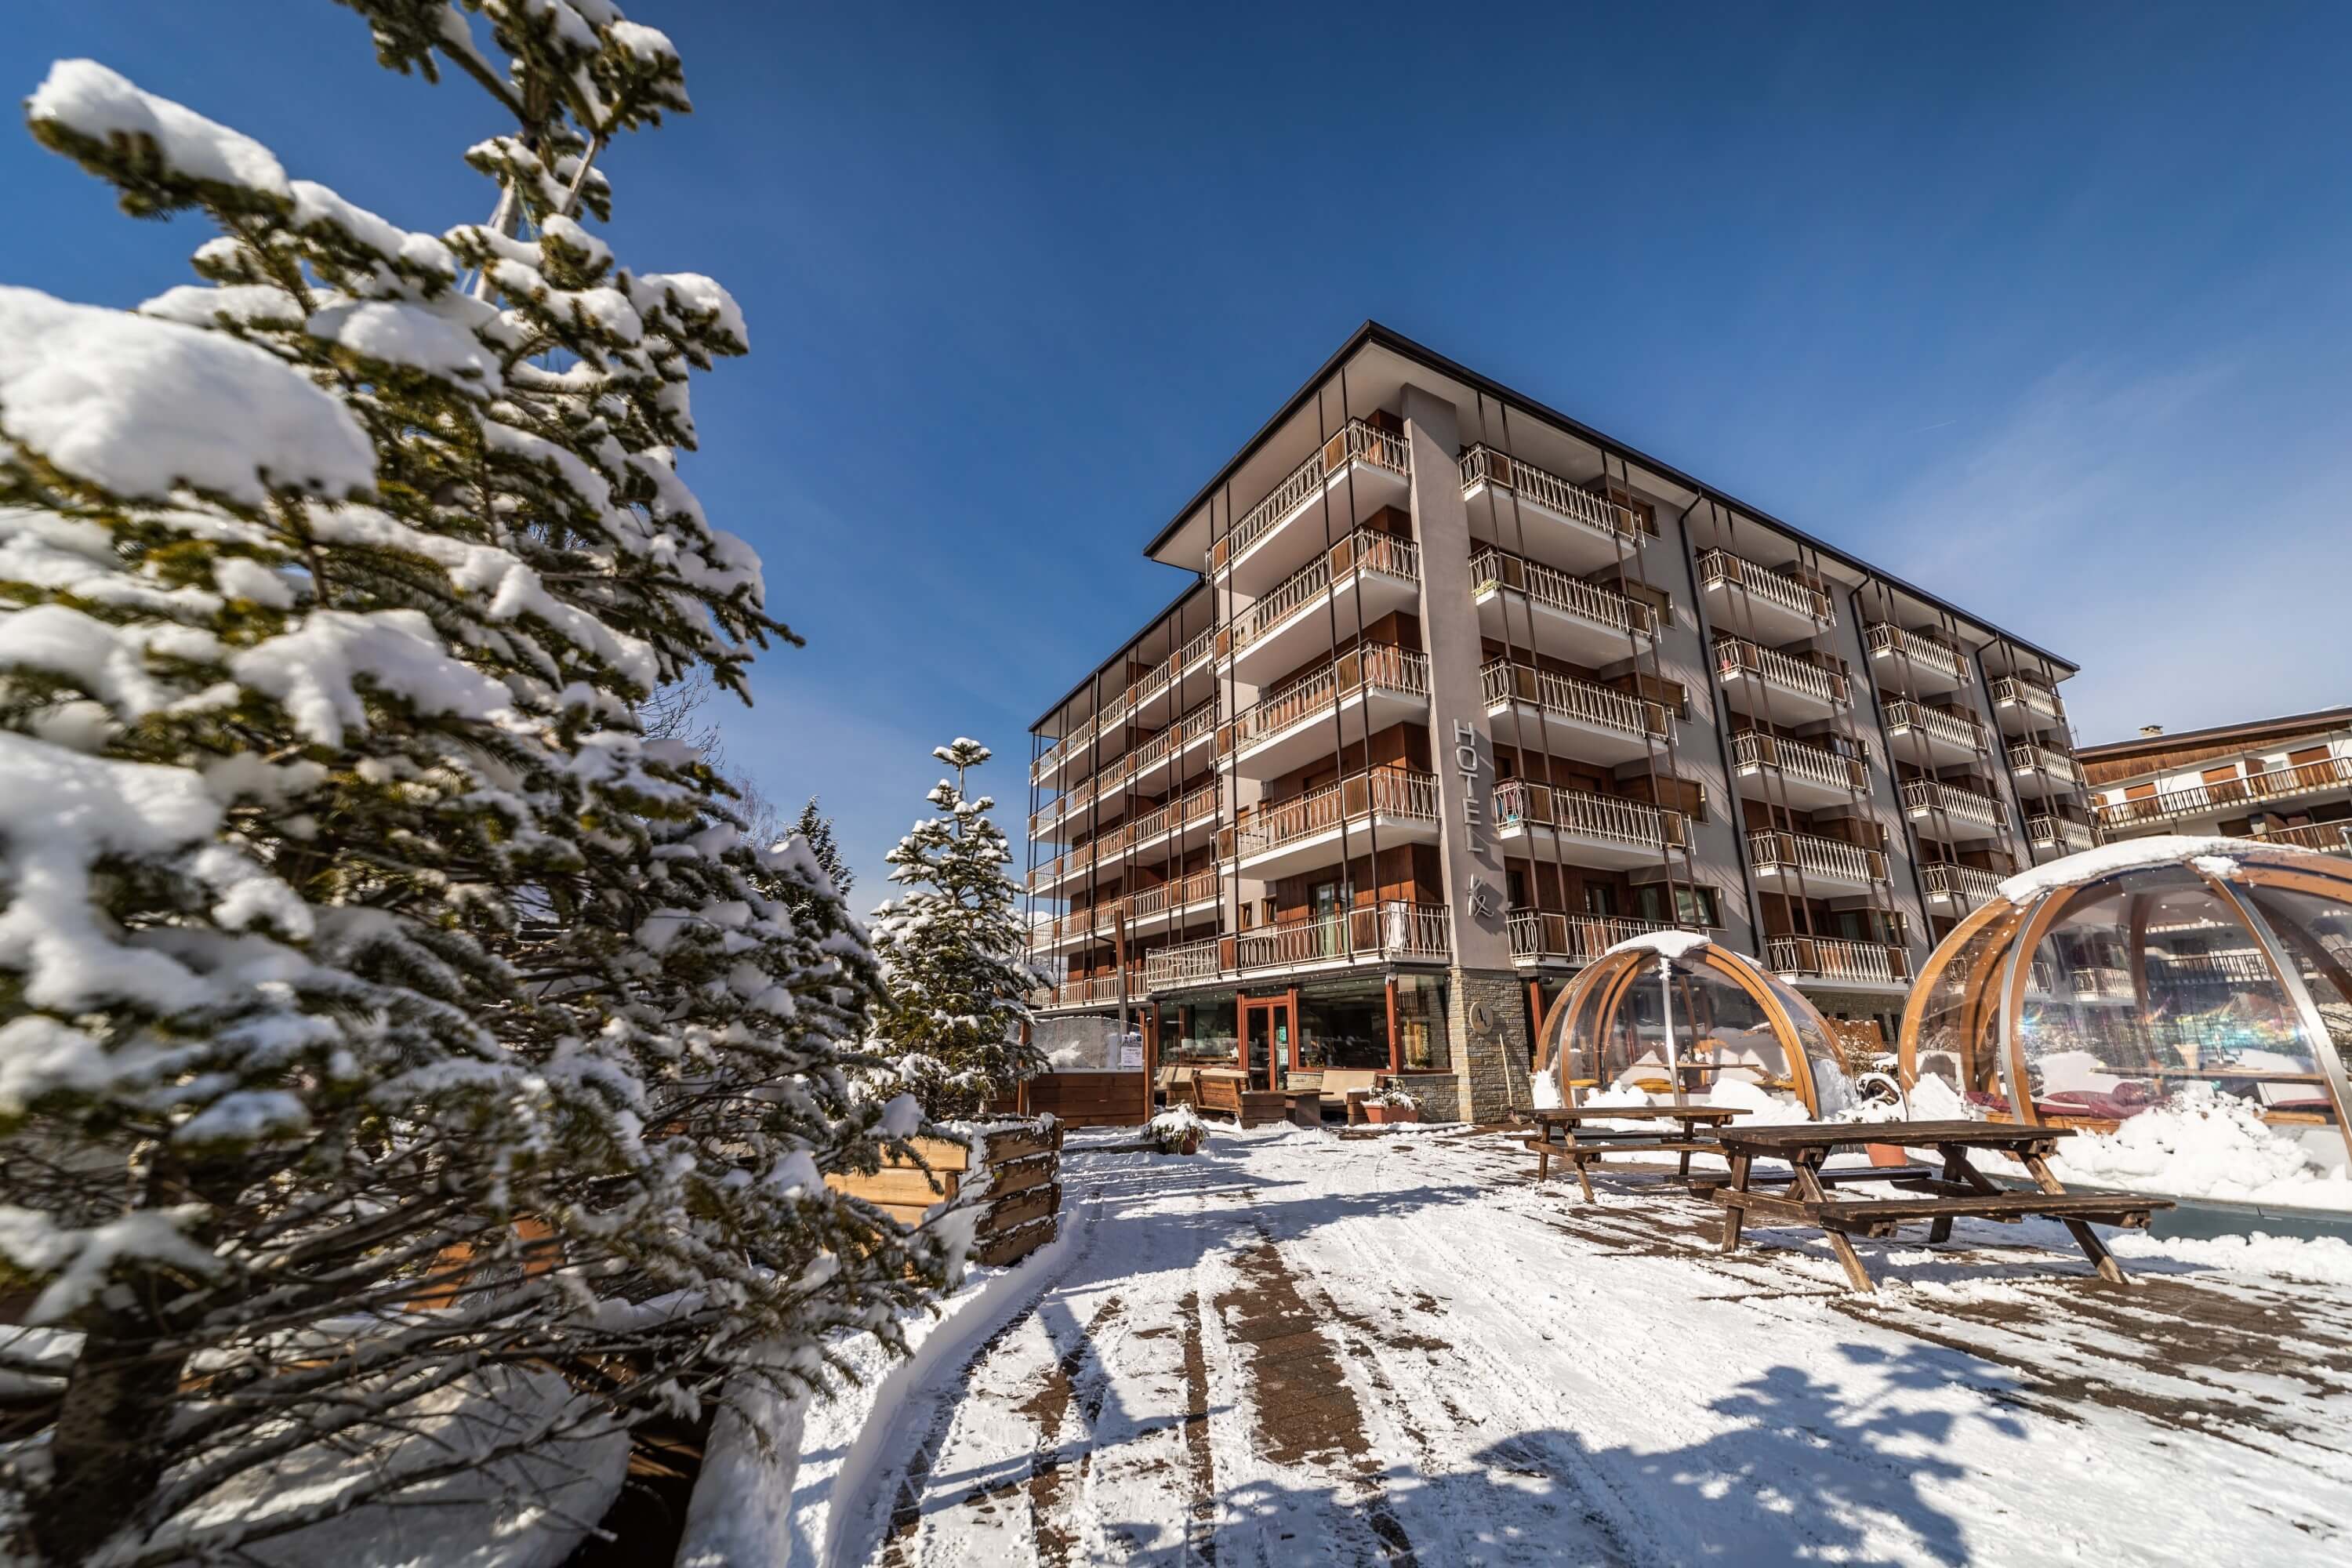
{"x": 1568, "y": 1134}
{"x": 1959, "y": 1191}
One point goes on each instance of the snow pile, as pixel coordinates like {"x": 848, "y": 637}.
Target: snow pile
{"x": 1664, "y": 943}
{"x": 2214, "y": 855}
{"x": 2200, "y": 1144}
{"x": 1758, "y": 1106}
{"x": 2319, "y": 1261}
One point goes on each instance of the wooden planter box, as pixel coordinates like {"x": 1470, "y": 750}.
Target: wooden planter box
{"x": 1376, "y": 1112}
{"x": 1022, "y": 1167}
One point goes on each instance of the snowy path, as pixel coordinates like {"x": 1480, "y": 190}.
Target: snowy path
{"x": 1399, "y": 1349}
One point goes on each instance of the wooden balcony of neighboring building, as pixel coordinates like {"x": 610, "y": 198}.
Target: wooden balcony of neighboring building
{"x": 1518, "y": 506}
{"x": 1756, "y": 602}
{"x": 1547, "y": 711}
{"x": 1586, "y": 829}
{"x": 1950, "y": 812}
{"x": 1541, "y": 938}
{"x": 2041, "y": 772}
{"x": 1339, "y": 821}
{"x": 1832, "y": 961}
{"x": 1780, "y": 771}
{"x": 2225, "y": 796}
{"x": 1948, "y": 885}
{"x": 1525, "y": 604}
{"x": 1766, "y": 683}
{"x": 1909, "y": 661}
{"x": 1933, "y": 738}
{"x": 1807, "y": 865}
{"x": 1357, "y": 472}
{"x": 1371, "y": 685}
{"x": 2330, "y": 837}
{"x": 2021, "y": 706}
{"x": 1354, "y": 584}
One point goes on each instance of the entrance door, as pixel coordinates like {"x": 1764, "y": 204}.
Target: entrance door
{"x": 1265, "y": 1035}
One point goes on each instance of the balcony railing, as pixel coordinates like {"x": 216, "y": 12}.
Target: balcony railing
{"x": 2275, "y": 784}
{"x": 1358, "y": 443}
{"x": 1389, "y": 931}
{"x": 2032, "y": 696}
{"x": 1383, "y": 792}
{"x": 1950, "y": 880}
{"x": 1637, "y": 823}
{"x": 2061, "y": 831}
{"x": 1187, "y": 964}
{"x": 1888, "y": 639}
{"x": 1370, "y": 666}
{"x": 2335, "y": 837}
{"x": 1738, "y": 656}
{"x": 2028, "y": 758}
{"x": 1538, "y": 935}
{"x": 1366, "y": 550}
{"x": 1718, "y": 567}
{"x": 1815, "y": 764}
{"x": 1808, "y": 855}
{"x": 1572, "y": 699}
{"x": 1953, "y": 729}
{"x": 1185, "y": 891}
{"x": 1835, "y": 959}
{"x": 1101, "y": 989}
{"x": 1966, "y": 805}
{"x": 1483, "y": 465}
{"x": 1549, "y": 585}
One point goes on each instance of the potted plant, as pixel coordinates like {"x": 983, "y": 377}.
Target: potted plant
{"x": 1390, "y": 1103}
{"x": 1177, "y": 1131}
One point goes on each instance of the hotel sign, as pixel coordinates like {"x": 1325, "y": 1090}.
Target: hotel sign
{"x": 1478, "y": 895}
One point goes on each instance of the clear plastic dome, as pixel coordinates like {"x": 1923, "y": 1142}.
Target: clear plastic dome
{"x": 1673, "y": 1018}
{"x": 2110, "y": 982}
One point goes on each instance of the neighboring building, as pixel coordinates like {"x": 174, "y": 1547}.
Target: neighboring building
{"x": 1462, "y": 693}
{"x": 2284, "y": 779}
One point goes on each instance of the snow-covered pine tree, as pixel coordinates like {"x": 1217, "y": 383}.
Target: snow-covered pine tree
{"x": 955, "y": 963}
{"x": 381, "y": 1011}
{"x": 816, "y": 828}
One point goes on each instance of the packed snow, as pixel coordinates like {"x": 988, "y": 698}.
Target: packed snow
{"x": 2200, "y": 1145}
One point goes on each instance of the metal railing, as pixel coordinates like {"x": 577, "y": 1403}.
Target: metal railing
{"x": 2274, "y": 784}
{"x": 1811, "y": 855}
{"x": 1483, "y": 465}
{"x": 2059, "y": 830}
{"x": 1185, "y": 964}
{"x": 1834, "y": 957}
{"x": 2335, "y": 837}
{"x": 1390, "y": 931}
{"x": 1952, "y": 879}
{"x": 1383, "y": 792}
{"x": 1572, "y": 699}
{"x": 1737, "y": 655}
{"x": 1549, "y": 585}
{"x": 1797, "y": 759}
{"x": 1370, "y": 666}
{"x": 1178, "y": 894}
{"x": 1078, "y": 993}
{"x": 1720, "y": 567}
{"x": 2032, "y": 696}
{"x": 1358, "y": 443}
{"x": 1520, "y": 801}
{"x": 1885, "y": 636}
{"x": 1956, "y": 728}
{"x": 1934, "y": 794}
{"x": 1538, "y": 934}
{"x": 1366, "y": 550}
{"x": 2025, "y": 757}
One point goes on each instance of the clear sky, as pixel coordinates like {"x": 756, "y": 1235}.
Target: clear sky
{"x": 2045, "y": 308}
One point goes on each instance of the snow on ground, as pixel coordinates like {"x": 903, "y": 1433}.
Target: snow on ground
{"x": 2204, "y": 1145}
{"x": 1300, "y": 1347}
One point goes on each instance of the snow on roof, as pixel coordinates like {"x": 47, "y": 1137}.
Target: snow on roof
{"x": 1665, "y": 943}
{"x": 2164, "y": 849}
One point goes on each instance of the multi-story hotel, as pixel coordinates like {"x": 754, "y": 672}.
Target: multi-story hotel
{"x": 1458, "y": 692}
{"x": 2288, "y": 780}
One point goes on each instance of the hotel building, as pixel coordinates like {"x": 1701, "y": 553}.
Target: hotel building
{"x": 2286, "y": 780}
{"x": 1458, "y": 692}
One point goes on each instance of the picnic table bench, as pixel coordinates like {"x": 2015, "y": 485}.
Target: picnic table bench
{"x": 1959, "y": 1190}
{"x": 1568, "y": 1133}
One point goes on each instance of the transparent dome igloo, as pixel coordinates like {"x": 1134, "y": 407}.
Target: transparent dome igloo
{"x": 1672, "y": 1018}
{"x": 2101, "y": 986}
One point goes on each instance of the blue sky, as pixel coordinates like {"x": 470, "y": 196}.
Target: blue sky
{"x": 2047, "y": 308}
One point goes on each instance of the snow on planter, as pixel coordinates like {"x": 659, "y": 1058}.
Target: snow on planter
{"x": 1001, "y": 1177}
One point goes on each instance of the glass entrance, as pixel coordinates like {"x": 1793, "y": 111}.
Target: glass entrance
{"x": 1265, "y": 1036}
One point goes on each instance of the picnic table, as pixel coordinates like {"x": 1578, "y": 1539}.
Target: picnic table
{"x": 1959, "y": 1190}
{"x": 1568, "y": 1133}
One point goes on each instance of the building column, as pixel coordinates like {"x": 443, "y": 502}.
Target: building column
{"x": 1490, "y": 1043}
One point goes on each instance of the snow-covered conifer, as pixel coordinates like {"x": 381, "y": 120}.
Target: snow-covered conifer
{"x": 816, "y": 828}
{"x": 379, "y": 1006}
{"x": 955, "y": 1025}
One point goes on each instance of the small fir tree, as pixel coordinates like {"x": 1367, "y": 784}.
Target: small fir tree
{"x": 382, "y": 1010}
{"x": 816, "y": 829}
{"x": 955, "y": 1024}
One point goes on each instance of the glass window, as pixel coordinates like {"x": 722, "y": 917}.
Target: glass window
{"x": 1425, "y": 1043}
{"x": 1343, "y": 1026}
{"x": 1600, "y": 898}
{"x": 1692, "y": 905}
{"x": 1200, "y": 1028}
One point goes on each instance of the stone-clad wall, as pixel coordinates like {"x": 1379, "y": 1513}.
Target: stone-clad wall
{"x": 1490, "y": 1063}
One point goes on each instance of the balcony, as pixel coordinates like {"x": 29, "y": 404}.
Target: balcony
{"x": 1774, "y": 768}
{"x": 2230, "y": 796}
{"x": 1933, "y": 738}
{"x": 1916, "y": 663}
{"x": 2039, "y": 771}
{"x": 1191, "y": 964}
{"x": 1953, "y": 886}
{"x": 1804, "y": 865}
{"x": 1760, "y": 602}
{"x": 1386, "y": 933}
{"x": 1173, "y": 903}
{"x": 2057, "y": 835}
{"x": 2331, "y": 838}
{"x": 1595, "y": 830}
{"x": 1540, "y": 937}
{"x": 1155, "y": 692}
{"x": 1567, "y": 717}
{"x": 1187, "y": 821}
{"x": 1964, "y": 812}
{"x": 1161, "y": 760}
{"x": 1361, "y": 470}
{"x": 1764, "y": 683}
{"x": 1526, "y": 604}
{"x": 1370, "y": 688}
{"x": 1830, "y": 960}
{"x": 2021, "y": 706}
{"x": 1071, "y": 747}
{"x": 1544, "y": 516}
{"x": 1102, "y": 991}
{"x": 1356, "y": 582}
{"x": 1328, "y": 824}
